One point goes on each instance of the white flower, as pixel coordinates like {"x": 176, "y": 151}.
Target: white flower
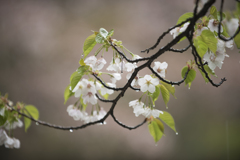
{"x": 78, "y": 89}
{"x": 135, "y": 56}
{"x": 184, "y": 27}
{"x": 117, "y": 65}
{"x": 229, "y": 44}
{"x": 115, "y": 77}
{"x": 90, "y": 98}
{"x": 105, "y": 90}
{"x": 130, "y": 67}
{"x": 148, "y": 112}
{"x": 214, "y": 60}
{"x": 12, "y": 143}
{"x": 232, "y": 25}
{"x": 74, "y": 112}
{"x": 89, "y": 86}
{"x": 3, "y": 136}
{"x": 175, "y": 32}
{"x": 160, "y": 68}
{"x": 148, "y": 83}
{"x": 213, "y": 25}
{"x": 138, "y": 110}
{"x": 136, "y": 103}
{"x": 14, "y": 124}
{"x": 94, "y": 63}
{"x": 98, "y": 85}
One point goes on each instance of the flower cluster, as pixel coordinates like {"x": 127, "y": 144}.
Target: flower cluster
{"x": 139, "y": 108}
{"x": 79, "y": 114}
{"x": 9, "y": 142}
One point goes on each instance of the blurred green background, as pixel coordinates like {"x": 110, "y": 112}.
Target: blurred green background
{"x": 40, "y": 46}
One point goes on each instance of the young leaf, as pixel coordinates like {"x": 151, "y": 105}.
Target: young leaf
{"x": 89, "y": 44}
{"x": 169, "y": 87}
{"x": 165, "y": 94}
{"x": 213, "y": 12}
{"x": 110, "y": 34}
{"x": 168, "y": 119}
{"x": 4, "y": 116}
{"x": 76, "y": 77}
{"x": 103, "y": 32}
{"x": 209, "y": 38}
{"x": 201, "y": 46}
{"x": 237, "y": 40}
{"x": 184, "y": 17}
{"x": 99, "y": 38}
{"x": 190, "y": 77}
{"x": 81, "y": 62}
{"x": 160, "y": 124}
{"x": 67, "y": 93}
{"x": 31, "y": 111}
{"x": 155, "y": 131}
{"x": 155, "y": 94}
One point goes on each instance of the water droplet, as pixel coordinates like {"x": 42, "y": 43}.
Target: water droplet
{"x": 166, "y": 107}
{"x": 188, "y": 87}
{"x": 156, "y": 144}
{"x": 37, "y": 123}
{"x": 70, "y": 130}
{"x": 82, "y": 55}
{"x": 137, "y": 90}
{"x": 176, "y": 133}
{"x": 153, "y": 105}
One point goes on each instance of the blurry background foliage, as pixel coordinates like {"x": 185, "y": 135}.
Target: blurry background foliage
{"x": 40, "y": 46}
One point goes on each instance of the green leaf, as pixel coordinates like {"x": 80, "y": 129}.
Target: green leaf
{"x": 237, "y": 40}
{"x": 110, "y": 34}
{"x": 213, "y": 12}
{"x": 209, "y": 38}
{"x": 99, "y": 38}
{"x": 190, "y": 77}
{"x": 103, "y": 32}
{"x": 224, "y": 33}
{"x": 155, "y": 131}
{"x": 31, "y": 111}
{"x": 155, "y": 94}
{"x": 76, "y": 77}
{"x": 160, "y": 124}
{"x": 201, "y": 46}
{"x": 67, "y": 93}
{"x": 169, "y": 87}
{"x": 184, "y": 17}
{"x": 89, "y": 44}
{"x": 165, "y": 94}
{"x": 81, "y": 62}
{"x": 73, "y": 74}
{"x": 168, "y": 119}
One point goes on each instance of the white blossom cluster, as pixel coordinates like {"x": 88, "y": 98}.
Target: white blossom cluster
{"x": 139, "y": 108}
{"x": 9, "y": 142}
{"x": 77, "y": 114}
{"x": 213, "y": 59}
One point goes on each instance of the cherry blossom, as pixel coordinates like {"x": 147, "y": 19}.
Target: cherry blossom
{"x": 115, "y": 77}
{"x": 94, "y": 63}
{"x": 105, "y": 90}
{"x": 175, "y": 32}
{"x": 213, "y": 26}
{"x": 214, "y": 60}
{"x": 14, "y": 124}
{"x": 160, "y": 68}
{"x": 90, "y": 98}
{"x": 148, "y": 83}
{"x": 232, "y": 25}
